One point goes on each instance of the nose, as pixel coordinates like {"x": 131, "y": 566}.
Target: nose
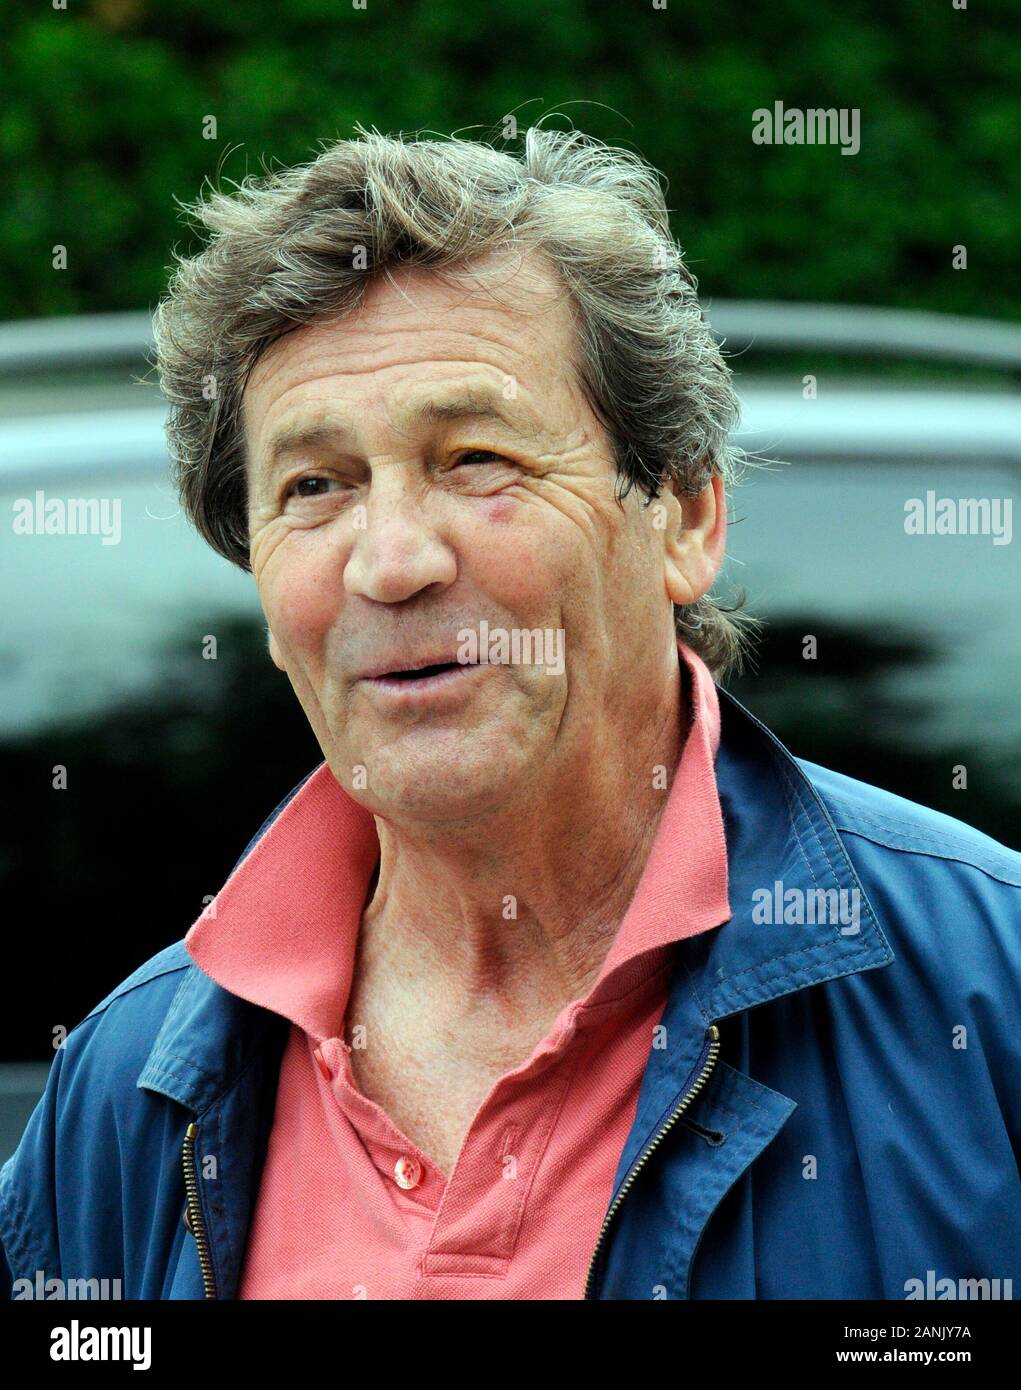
{"x": 396, "y": 551}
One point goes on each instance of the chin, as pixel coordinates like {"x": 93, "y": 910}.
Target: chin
{"x": 435, "y": 786}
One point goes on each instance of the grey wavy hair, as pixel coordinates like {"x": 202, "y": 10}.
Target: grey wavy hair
{"x": 296, "y": 244}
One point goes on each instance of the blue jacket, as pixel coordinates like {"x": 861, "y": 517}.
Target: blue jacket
{"x": 836, "y": 1112}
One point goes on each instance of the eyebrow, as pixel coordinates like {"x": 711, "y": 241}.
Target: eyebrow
{"x": 477, "y": 403}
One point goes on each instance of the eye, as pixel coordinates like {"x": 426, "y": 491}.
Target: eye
{"x": 315, "y": 486}
{"x": 479, "y": 455}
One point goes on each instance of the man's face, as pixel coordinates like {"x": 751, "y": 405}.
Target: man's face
{"x": 424, "y": 466}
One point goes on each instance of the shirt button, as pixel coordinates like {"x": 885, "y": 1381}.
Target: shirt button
{"x": 408, "y": 1172}
{"x": 323, "y": 1067}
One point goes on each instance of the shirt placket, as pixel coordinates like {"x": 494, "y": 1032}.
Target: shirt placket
{"x": 413, "y": 1182}
{"x": 474, "y": 1214}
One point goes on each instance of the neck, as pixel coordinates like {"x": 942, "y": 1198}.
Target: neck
{"x": 518, "y": 910}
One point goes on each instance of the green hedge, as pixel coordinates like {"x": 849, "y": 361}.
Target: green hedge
{"x": 101, "y": 127}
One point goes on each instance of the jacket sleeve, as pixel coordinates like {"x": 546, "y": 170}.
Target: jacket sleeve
{"x": 28, "y": 1204}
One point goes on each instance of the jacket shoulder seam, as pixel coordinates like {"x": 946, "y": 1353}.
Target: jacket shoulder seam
{"x": 918, "y": 842}
{"x": 132, "y": 983}
{"x": 851, "y": 816}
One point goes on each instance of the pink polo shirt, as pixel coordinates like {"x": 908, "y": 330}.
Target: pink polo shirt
{"x": 348, "y": 1206}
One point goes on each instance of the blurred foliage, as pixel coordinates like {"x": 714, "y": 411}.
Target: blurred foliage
{"x": 104, "y": 102}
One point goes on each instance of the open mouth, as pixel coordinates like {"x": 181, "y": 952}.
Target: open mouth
{"x": 441, "y": 680}
{"x": 422, "y": 672}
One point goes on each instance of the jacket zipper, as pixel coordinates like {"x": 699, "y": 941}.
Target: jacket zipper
{"x": 195, "y": 1225}
{"x": 713, "y": 1034}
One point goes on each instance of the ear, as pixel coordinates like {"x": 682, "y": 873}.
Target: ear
{"x": 274, "y": 652}
{"x": 694, "y": 543}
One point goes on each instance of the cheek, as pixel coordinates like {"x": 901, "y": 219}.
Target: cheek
{"x": 521, "y": 559}
{"x": 499, "y": 509}
{"x": 300, "y": 608}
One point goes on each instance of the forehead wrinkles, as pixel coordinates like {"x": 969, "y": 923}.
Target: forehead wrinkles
{"x": 412, "y": 403}
{"x": 506, "y": 304}
{"x": 351, "y": 348}
{"x": 543, "y": 393}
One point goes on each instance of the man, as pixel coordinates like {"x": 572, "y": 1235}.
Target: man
{"x": 560, "y": 977}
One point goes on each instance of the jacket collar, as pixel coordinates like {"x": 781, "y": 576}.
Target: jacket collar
{"x": 781, "y": 840}
{"x": 778, "y": 832}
